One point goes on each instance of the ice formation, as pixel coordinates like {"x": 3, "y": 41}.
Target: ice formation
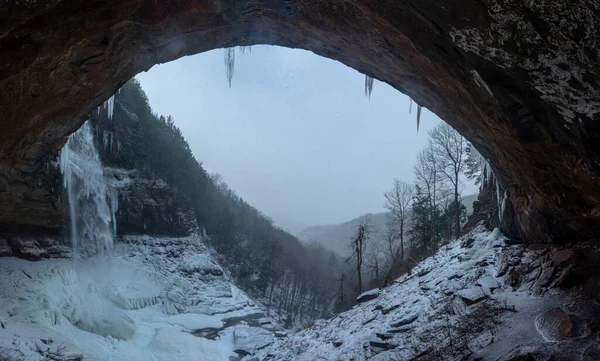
{"x": 111, "y": 106}
{"x": 91, "y": 202}
{"x": 145, "y": 304}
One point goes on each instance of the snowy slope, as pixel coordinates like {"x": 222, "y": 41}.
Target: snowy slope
{"x": 144, "y": 303}
{"x": 425, "y": 312}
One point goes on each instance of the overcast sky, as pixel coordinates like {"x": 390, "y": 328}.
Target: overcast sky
{"x": 295, "y": 135}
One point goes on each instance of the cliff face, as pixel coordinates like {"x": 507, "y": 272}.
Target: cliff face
{"x": 518, "y": 79}
{"x": 147, "y": 204}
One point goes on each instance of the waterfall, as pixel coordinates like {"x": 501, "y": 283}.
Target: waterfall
{"x": 92, "y": 204}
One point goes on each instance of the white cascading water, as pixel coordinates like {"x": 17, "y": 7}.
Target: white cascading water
{"x": 92, "y": 204}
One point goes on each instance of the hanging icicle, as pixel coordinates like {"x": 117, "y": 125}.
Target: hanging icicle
{"x": 229, "y": 63}
{"x": 244, "y": 48}
{"x": 111, "y": 106}
{"x": 418, "y": 117}
{"x": 410, "y": 106}
{"x": 368, "y": 86}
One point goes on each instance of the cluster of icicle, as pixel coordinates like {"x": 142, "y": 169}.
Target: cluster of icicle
{"x": 229, "y": 60}
{"x": 109, "y": 105}
{"x": 488, "y": 177}
{"x": 92, "y": 203}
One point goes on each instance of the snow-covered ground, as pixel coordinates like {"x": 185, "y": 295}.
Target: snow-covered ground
{"x": 167, "y": 299}
{"x": 416, "y": 315}
{"x": 144, "y": 302}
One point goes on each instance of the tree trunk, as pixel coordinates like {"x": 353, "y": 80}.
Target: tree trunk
{"x": 457, "y": 207}
{"x": 433, "y": 209}
{"x": 402, "y": 240}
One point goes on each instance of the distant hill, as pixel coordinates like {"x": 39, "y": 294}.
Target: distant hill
{"x": 288, "y": 225}
{"x": 337, "y": 236}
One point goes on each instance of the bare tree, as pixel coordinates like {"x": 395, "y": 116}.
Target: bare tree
{"x": 398, "y": 200}
{"x": 426, "y": 174}
{"x": 359, "y": 245}
{"x": 374, "y": 256}
{"x": 393, "y": 251}
{"x": 449, "y": 149}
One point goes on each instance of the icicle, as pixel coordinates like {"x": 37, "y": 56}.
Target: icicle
{"x": 368, "y": 86}
{"x": 104, "y": 140}
{"x": 229, "y": 63}
{"x": 418, "y": 117}
{"x": 503, "y": 206}
{"x": 501, "y": 201}
{"x": 487, "y": 175}
{"x": 244, "y": 48}
{"x": 114, "y": 207}
{"x": 111, "y": 106}
{"x": 410, "y": 106}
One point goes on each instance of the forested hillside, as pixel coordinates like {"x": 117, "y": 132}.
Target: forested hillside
{"x": 293, "y": 280}
{"x": 164, "y": 189}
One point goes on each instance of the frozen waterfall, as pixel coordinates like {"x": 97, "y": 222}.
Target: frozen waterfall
{"x": 92, "y": 204}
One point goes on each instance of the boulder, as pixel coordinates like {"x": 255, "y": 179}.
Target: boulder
{"x": 367, "y": 296}
{"x": 472, "y": 295}
{"x": 488, "y": 281}
{"x": 554, "y": 325}
{"x": 406, "y": 320}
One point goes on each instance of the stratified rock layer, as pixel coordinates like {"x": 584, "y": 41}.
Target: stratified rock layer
{"x": 518, "y": 79}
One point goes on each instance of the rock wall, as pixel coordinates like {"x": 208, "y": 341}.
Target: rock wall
{"x": 519, "y": 79}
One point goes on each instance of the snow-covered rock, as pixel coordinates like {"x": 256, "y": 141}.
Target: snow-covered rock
{"x": 248, "y": 340}
{"x": 488, "y": 282}
{"x": 472, "y": 295}
{"x": 436, "y": 292}
{"x": 367, "y": 296}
